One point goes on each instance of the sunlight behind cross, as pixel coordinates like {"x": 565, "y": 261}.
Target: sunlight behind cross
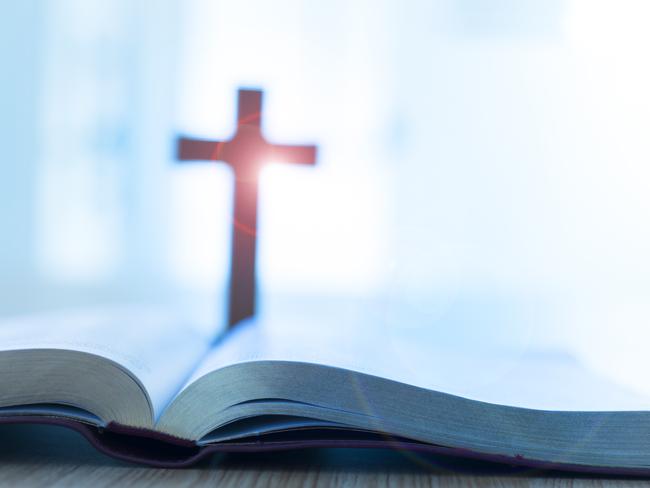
{"x": 244, "y": 152}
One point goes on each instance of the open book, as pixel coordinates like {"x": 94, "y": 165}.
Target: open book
{"x": 144, "y": 386}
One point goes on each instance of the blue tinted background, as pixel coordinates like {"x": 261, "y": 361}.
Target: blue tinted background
{"x": 483, "y": 169}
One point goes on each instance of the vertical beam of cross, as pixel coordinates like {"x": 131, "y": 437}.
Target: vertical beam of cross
{"x": 246, "y": 152}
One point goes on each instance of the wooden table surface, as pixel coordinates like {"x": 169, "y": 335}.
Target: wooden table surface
{"x": 54, "y": 456}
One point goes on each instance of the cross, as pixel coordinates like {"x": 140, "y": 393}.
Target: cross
{"x": 246, "y": 152}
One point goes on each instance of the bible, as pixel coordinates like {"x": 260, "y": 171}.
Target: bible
{"x": 144, "y": 385}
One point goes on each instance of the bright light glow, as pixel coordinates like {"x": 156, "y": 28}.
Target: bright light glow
{"x": 609, "y": 323}
{"x": 321, "y": 228}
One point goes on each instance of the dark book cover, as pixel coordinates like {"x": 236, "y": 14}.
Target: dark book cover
{"x": 151, "y": 448}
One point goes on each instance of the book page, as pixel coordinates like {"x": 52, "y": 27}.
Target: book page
{"x": 155, "y": 344}
{"x": 517, "y": 376}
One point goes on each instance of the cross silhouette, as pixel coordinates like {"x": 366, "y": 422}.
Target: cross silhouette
{"x": 246, "y": 152}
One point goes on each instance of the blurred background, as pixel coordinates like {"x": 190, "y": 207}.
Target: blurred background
{"x": 484, "y": 167}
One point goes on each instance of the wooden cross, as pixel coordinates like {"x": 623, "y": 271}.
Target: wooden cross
{"x": 246, "y": 152}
